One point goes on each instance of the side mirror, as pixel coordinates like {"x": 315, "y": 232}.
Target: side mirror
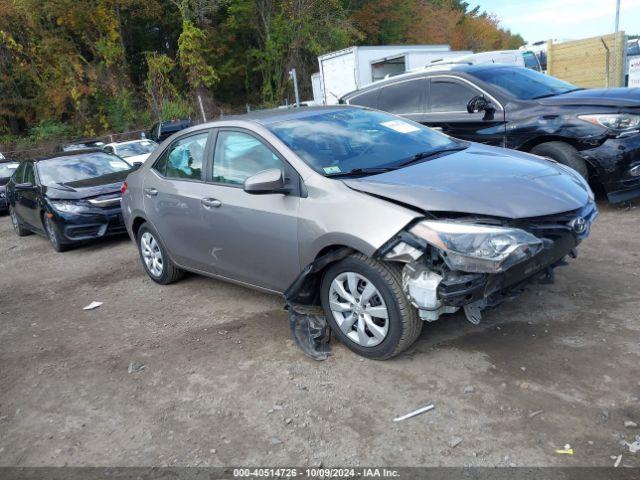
{"x": 479, "y": 104}
{"x": 265, "y": 182}
{"x": 136, "y": 165}
{"x": 24, "y": 187}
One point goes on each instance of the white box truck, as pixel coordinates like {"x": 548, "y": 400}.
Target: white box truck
{"x": 346, "y": 70}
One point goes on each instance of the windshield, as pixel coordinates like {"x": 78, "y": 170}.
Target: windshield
{"x": 340, "y": 141}
{"x": 523, "y": 83}
{"x": 7, "y": 169}
{"x": 137, "y": 148}
{"x": 82, "y": 167}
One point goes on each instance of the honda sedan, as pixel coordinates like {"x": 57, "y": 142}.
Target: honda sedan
{"x": 382, "y": 221}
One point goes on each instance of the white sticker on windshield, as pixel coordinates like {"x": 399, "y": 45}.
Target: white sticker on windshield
{"x": 400, "y": 126}
{"x": 116, "y": 164}
{"x": 331, "y": 170}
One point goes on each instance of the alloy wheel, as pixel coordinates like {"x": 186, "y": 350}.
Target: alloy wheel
{"x": 50, "y": 232}
{"x": 151, "y": 254}
{"x": 359, "y": 309}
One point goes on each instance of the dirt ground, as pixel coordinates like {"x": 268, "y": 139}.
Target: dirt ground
{"x": 223, "y": 384}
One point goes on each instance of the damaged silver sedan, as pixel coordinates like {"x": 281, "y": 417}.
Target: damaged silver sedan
{"x": 382, "y": 222}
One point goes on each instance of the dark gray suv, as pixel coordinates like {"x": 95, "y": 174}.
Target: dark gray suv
{"x": 382, "y": 221}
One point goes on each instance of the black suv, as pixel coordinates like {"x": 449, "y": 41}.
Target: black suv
{"x": 596, "y": 132}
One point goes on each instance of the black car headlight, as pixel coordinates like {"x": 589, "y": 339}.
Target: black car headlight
{"x": 478, "y": 248}
{"x": 616, "y": 122}
{"x": 66, "y": 206}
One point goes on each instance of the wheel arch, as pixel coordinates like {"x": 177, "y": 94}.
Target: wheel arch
{"x": 305, "y": 289}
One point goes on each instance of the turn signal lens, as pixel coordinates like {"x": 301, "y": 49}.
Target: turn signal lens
{"x": 123, "y": 188}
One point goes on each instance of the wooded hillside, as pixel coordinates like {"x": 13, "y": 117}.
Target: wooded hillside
{"x": 91, "y": 66}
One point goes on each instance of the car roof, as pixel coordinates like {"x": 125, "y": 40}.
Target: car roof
{"x": 434, "y": 69}
{"x": 126, "y": 142}
{"x": 275, "y": 115}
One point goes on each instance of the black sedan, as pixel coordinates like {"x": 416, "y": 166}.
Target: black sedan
{"x": 6, "y": 170}
{"x": 69, "y": 197}
{"x": 596, "y": 132}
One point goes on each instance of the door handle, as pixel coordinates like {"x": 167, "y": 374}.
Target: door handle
{"x": 211, "y": 203}
{"x": 150, "y": 192}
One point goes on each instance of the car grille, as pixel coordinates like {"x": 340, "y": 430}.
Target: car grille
{"x": 553, "y": 227}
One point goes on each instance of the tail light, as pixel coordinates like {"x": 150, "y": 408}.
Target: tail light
{"x": 123, "y": 188}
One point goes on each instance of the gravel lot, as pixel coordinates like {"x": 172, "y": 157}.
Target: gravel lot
{"x": 223, "y": 383}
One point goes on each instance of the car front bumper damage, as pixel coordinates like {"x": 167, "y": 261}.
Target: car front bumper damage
{"x": 617, "y": 165}
{"x": 436, "y": 289}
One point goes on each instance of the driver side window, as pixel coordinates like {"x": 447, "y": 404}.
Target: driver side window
{"x": 29, "y": 174}
{"x": 239, "y": 155}
{"x": 449, "y": 96}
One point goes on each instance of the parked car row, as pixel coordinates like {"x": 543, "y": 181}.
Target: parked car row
{"x": 382, "y": 221}
{"x": 596, "y": 132}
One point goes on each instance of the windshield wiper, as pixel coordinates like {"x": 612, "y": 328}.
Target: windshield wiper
{"x": 431, "y": 153}
{"x": 361, "y": 171}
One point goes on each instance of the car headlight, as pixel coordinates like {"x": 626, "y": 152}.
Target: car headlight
{"x": 478, "y": 248}
{"x": 617, "y": 122}
{"x": 68, "y": 207}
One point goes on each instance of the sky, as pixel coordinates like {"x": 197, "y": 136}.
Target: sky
{"x": 562, "y": 19}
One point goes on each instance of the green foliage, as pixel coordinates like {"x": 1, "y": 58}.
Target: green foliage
{"x": 178, "y": 108}
{"x": 106, "y": 65}
{"x": 48, "y": 129}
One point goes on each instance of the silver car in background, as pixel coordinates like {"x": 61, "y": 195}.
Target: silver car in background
{"x": 385, "y": 223}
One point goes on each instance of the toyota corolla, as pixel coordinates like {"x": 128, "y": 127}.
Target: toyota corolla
{"x": 383, "y": 222}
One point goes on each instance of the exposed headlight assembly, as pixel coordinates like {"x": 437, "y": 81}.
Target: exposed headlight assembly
{"x": 617, "y": 122}
{"x": 478, "y": 248}
{"x": 68, "y": 207}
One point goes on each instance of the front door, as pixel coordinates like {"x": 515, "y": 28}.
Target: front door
{"x": 251, "y": 238}
{"x": 447, "y": 99}
{"x": 27, "y": 201}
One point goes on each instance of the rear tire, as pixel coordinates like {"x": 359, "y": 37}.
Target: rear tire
{"x": 353, "y": 323}
{"x": 19, "y": 229}
{"x": 53, "y": 235}
{"x": 154, "y": 257}
{"x": 563, "y": 153}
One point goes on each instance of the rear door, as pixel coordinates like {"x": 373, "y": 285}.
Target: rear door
{"x": 250, "y": 238}
{"x": 173, "y": 191}
{"x": 447, "y": 99}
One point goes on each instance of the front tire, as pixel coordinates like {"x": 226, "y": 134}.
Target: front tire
{"x": 15, "y": 222}
{"x": 53, "y": 235}
{"x": 563, "y": 153}
{"x": 154, "y": 257}
{"x": 367, "y": 309}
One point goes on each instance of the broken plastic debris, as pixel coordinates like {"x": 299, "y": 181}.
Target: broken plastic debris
{"x": 136, "y": 367}
{"x": 635, "y": 446}
{"x": 567, "y": 450}
{"x": 92, "y": 305}
{"x": 414, "y": 413}
{"x": 310, "y": 330}
{"x": 617, "y": 462}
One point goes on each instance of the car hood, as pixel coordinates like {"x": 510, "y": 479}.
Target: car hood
{"x": 90, "y": 187}
{"x": 482, "y": 180}
{"x": 600, "y": 97}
